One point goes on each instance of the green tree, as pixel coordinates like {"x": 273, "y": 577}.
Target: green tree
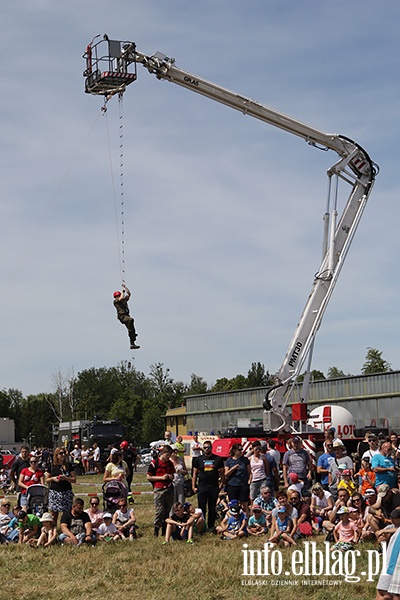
{"x": 197, "y": 385}
{"x": 315, "y": 376}
{"x": 257, "y": 376}
{"x": 335, "y": 373}
{"x": 374, "y": 363}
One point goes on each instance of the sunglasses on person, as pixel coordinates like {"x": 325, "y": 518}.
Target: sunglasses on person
{"x": 33, "y": 462}
{"x": 121, "y": 505}
{"x": 206, "y": 447}
{"x": 61, "y": 454}
{"x": 94, "y": 503}
{"x": 6, "y": 504}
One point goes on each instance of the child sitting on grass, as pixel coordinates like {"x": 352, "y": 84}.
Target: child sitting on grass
{"x": 234, "y": 526}
{"x": 179, "y": 525}
{"x": 281, "y": 528}
{"x": 48, "y": 533}
{"x": 107, "y": 531}
{"x": 257, "y": 522}
{"x": 345, "y": 532}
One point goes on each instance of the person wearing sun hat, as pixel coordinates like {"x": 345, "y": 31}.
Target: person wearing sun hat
{"x": 48, "y": 532}
{"x": 339, "y": 463}
{"x": 345, "y": 532}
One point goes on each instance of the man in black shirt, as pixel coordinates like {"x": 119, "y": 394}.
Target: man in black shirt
{"x": 121, "y": 304}
{"x": 208, "y": 479}
{"x": 22, "y": 462}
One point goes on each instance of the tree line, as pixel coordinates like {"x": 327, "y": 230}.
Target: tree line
{"x": 138, "y": 400}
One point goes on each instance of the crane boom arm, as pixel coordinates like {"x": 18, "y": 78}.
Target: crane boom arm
{"x": 353, "y": 166}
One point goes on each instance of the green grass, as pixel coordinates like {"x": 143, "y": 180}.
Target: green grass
{"x": 145, "y": 569}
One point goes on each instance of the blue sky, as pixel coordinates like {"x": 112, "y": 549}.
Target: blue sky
{"x": 223, "y": 214}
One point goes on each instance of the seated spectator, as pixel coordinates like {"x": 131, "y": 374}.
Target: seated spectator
{"x": 345, "y": 532}
{"x": 179, "y": 525}
{"x": 333, "y": 518}
{"x": 199, "y": 525}
{"x": 366, "y": 476}
{"x": 124, "y": 519}
{"x": 234, "y": 525}
{"x": 379, "y": 513}
{"x": 222, "y": 504}
{"x": 384, "y": 535}
{"x": 358, "y": 511}
{"x": 28, "y": 526}
{"x": 304, "y": 523}
{"x": 295, "y": 483}
{"x": 48, "y": 532}
{"x": 6, "y": 517}
{"x": 346, "y": 482}
{"x": 29, "y": 476}
{"x": 283, "y": 528}
{"x": 321, "y": 505}
{"x": 95, "y": 514}
{"x": 267, "y": 502}
{"x": 257, "y": 523}
{"x": 76, "y": 527}
{"x": 107, "y": 531}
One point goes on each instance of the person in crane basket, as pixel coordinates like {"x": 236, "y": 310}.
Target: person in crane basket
{"x": 121, "y": 300}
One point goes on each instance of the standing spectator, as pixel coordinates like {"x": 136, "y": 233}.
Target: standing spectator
{"x": 383, "y": 466}
{"x": 179, "y": 477}
{"x": 116, "y": 469}
{"x": 76, "y": 527}
{"x": 179, "y": 446}
{"x": 96, "y": 458}
{"x": 29, "y": 476}
{"x": 372, "y": 449}
{"x": 95, "y": 514}
{"x": 60, "y": 478}
{"x": 85, "y": 459}
{"x": 195, "y": 447}
{"x": 323, "y": 463}
{"x": 208, "y": 478}
{"x": 340, "y": 462}
{"x": 238, "y": 476}
{"x": 22, "y": 462}
{"x": 259, "y": 470}
{"x": 297, "y": 460}
{"x": 129, "y": 458}
{"x": 363, "y": 445}
{"x": 161, "y": 473}
{"x": 272, "y": 451}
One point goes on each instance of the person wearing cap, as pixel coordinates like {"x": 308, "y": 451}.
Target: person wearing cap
{"x": 28, "y": 526}
{"x": 257, "y": 523}
{"x": 295, "y": 483}
{"x": 383, "y": 465}
{"x": 282, "y": 528}
{"x": 234, "y": 525}
{"x": 346, "y": 482}
{"x": 121, "y": 300}
{"x": 108, "y": 531}
{"x": 297, "y": 460}
{"x": 345, "y": 532}
{"x": 48, "y": 532}
{"x": 340, "y": 462}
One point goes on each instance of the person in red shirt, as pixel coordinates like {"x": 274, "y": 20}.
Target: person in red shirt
{"x": 29, "y": 476}
{"x": 161, "y": 473}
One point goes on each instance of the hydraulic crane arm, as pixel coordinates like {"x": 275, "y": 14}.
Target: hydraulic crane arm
{"x": 353, "y": 166}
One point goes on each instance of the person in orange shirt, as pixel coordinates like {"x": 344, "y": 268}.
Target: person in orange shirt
{"x": 366, "y": 476}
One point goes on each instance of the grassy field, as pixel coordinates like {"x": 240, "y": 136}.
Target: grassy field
{"x": 209, "y": 569}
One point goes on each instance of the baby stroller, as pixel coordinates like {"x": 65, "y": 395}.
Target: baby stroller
{"x": 37, "y": 496}
{"x": 113, "y": 491}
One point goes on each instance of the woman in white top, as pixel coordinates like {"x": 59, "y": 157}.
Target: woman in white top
{"x": 259, "y": 471}
{"x": 321, "y": 504}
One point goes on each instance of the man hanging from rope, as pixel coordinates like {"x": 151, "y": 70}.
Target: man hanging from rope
{"x": 121, "y": 304}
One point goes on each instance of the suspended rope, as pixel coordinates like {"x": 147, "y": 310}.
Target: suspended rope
{"x": 118, "y": 220}
{"x": 121, "y": 181}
